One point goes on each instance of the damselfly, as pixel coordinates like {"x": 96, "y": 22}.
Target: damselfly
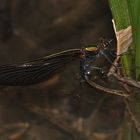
{"x": 95, "y": 60}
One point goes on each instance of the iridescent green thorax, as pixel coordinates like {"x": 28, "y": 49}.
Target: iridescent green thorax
{"x": 89, "y": 51}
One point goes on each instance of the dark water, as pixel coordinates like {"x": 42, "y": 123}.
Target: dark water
{"x": 62, "y": 107}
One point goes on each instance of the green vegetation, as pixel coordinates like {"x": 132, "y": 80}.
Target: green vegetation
{"x": 126, "y": 13}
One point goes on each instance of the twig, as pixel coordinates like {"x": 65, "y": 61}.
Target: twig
{"x": 129, "y": 81}
{"x": 107, "y": 90}
{"x": 14, "y": 126}
{"x": 132, "y": 116}
{"x": 58, "y": 123}
{"x": 22, "y": 129}
{"x": 129, "y": 110}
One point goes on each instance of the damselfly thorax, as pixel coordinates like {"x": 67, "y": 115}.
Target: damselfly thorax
{"x": 96, "y": 60}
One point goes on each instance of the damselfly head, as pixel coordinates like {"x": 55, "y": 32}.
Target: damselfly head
{"x": 104, "y": 43}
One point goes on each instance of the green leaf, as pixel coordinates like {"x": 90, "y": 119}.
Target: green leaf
{"x": 134, "y": 8}
{"x": 120, "y": 12}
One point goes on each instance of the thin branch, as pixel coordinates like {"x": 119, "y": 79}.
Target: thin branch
{"x": 132, "y": 116}
{"x": 129, "y": 81}
{"x": 57, "y": 122}
{"x": 107, "y": 90}
{"x": 130, "y": 112}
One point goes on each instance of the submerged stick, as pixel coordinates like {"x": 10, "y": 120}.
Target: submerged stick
{"x": 107, "y": 90}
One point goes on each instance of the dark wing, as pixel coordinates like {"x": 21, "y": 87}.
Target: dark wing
{"x": 36, "y": 71}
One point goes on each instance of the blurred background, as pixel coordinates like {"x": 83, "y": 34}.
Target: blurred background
{"x": 62, "y": 107}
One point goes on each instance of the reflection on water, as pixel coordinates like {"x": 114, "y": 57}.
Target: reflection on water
{"x": 63, "y": 107}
